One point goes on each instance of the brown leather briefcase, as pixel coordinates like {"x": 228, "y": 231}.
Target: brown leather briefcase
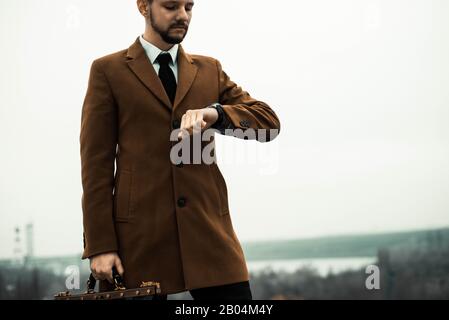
{"x": 148, "y": 288}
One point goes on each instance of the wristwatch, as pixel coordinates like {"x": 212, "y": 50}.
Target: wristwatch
{"x": 223, "y": 123}
{"x": 219, "y": 123}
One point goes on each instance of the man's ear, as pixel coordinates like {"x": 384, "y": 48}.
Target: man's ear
{"x": 143, "y": 7}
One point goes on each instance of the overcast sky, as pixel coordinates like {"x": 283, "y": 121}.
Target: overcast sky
{"x": 360, "y": 87}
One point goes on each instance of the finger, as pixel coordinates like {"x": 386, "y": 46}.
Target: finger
{"x": 197, "y": 122}
{"x": 183, "y": 134}
{"x": 186, "y": 129}
{"x": 183, "y": 120}
{"x": 119, "y": 266}
{"x": 105, "y": 275}
{"x": 93, "y": 270}
{"x": 108, "y": 275}
{"x": 95, "y": 275}
{"x": 188, "y": 124}
{"x": 99, "y": 276}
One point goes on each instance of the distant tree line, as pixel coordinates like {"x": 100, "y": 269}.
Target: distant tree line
{"x": 404, "y": 274}
{"x": 414, "y": 274}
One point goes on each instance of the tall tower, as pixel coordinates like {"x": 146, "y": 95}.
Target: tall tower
{"x": 17, "y": 246}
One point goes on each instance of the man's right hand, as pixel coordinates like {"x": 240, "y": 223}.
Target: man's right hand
{"x": 101, "y": 266}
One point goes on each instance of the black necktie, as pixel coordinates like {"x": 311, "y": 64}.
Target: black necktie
{"x": 166, "y": 75}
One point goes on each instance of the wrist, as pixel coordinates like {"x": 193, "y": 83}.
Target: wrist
{"x": 219, "y": 108}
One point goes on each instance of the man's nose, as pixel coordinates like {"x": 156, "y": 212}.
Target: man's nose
{"x": 182, "y": 15}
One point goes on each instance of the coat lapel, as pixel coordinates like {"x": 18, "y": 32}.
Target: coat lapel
{"x": 139, "y": 64}
{"x": 187, "y": 71}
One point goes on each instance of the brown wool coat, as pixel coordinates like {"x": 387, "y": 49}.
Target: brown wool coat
{"x": 126, "y": 122}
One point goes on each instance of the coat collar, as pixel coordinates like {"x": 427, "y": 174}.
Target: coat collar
{"x": 138, "y": 62}
{"x": 153, "y": 52}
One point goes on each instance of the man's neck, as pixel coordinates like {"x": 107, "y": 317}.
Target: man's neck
{"x": 155, "y": 39}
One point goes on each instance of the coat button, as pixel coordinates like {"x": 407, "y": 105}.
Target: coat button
{"x": 181, "y": 202}
{"x": 244, "y": 123}
{"x": 176, "y": 124}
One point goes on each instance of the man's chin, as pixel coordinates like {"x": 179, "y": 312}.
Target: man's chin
{"x": 173, "y": 40}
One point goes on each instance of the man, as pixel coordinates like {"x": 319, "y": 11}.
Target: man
{"x": 156, "y": 220}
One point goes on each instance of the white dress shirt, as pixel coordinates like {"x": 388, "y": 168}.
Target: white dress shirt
{"x": 153, "y": 52}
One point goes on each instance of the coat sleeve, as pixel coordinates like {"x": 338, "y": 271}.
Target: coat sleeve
{"x": 246, "y": 113}
{"x": 98, "y": 141}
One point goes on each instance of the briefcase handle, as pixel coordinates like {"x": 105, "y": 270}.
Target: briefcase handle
{"x": 117, "y": 278}
{"x": 147, "y": 288}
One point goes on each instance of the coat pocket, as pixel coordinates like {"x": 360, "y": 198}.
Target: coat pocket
{"x": 222, "y": 189}
{"x": 122, "y": 196}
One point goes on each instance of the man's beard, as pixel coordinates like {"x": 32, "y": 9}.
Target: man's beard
{"x": 165, "y": 33}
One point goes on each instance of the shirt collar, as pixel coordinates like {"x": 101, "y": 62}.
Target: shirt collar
{"x": 153, "y": 52}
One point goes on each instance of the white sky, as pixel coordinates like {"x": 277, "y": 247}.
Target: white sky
{"x": 361, "y": 88}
